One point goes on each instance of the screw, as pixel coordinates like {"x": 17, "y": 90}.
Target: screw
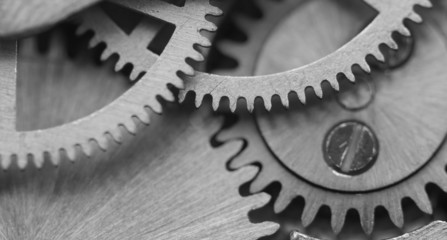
{"x": 350, "y": 148}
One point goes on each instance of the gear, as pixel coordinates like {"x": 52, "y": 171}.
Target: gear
{"x": 106, "y": 124}
{"x": 397, "y": 152}
{"x": 390, "y": 19}
{"x": 154, "y": 186}
{"x": 434, "y": 230}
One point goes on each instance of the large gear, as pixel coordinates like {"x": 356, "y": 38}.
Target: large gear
{"x": 331, "y": 68}
{"x": 136, "y": 103}
{"x": 288, "y": 143}
{"x": 143, "y": 189}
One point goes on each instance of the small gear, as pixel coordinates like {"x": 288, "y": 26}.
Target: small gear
{"x": 126, "y": 111}
{"x": 396, "y": 154}
{"x": 390, "y": 19}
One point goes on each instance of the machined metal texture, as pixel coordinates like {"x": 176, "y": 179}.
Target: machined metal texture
{"x": 294, "y": 139}
{"x": 390, "y": 19}
{"x": 23, "y": 18}
{"x": 129, "y": 191}
{"x": 144, "y": 189}
{"x": 436, "y": 231}
{"x": 133, "y": 106}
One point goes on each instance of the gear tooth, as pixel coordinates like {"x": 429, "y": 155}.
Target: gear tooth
{"x": 216, "y": 103}
{"x": 81, "y": 29}
{"x": 119, "y": 64}
{"x": 188, "y": 70}
{"x": 423, "y": 202}
{"x": 349, "y": 75}
{"x": 208, "y": 26}
{"x": 392, "y": 43}
{"x": 88, "y": 149}
{"x": 55, "y": 157}
{"x": 404, "y": 31}
{"x": 378, "y": 55}
{"x": 134, "y": 74}
{"x": 267, "y": 104}
{"x": 94, "y": 41}
{"x": 71, "y": 152}
{"x": 243, "y": 159}
{"x": 199, "y": 100}
{"x": 116, "y": 134}
{"x": 364, "y": 65}
{"x": 302, "y": 96}
{"x": 309, "y": 213}
{"x": 182, "y": 95}
{"x": 102, "y": 142}
{"x": 318, "y": 92}
{"x": 282, "y": 201}
{"x": 233, "y": 104}
{"x": 215, "y": 11}
{"x": 367, "y": 218}
{"x": 130, "y": 126}
{"x": 426, "y": 4}
{"x": 415, "y": 17}
{"x": 38, "y": 160}
{"x": 6, "y": 161}
{"x": 233, "y": 133}
{"x": 106, "y": 53}
{"x": 204, "y": 42}
{"x": 156, "y": 107}
{"x": 143, "y": 115}
{"x": 285, "y": 101}
{"x": 166, "y": 94}
{"x": 338, "y": 219}
{"x": 250, "y": 106}
{"x": 197, "y": 56}
{"x": 22, "y": 161}
{"x": 396, "y": 214}
{"x": 335, "y": 85}
{"x": 261, "y": 181}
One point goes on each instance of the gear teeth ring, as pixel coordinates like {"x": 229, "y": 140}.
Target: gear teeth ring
{"x": 364, "y": 203}
{"x": 328, "y": 69}
{"x": 96, "y": 130}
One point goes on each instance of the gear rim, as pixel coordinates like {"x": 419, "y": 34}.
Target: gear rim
{"x": 132, "y": 107}
{"x": 283, "y": 84}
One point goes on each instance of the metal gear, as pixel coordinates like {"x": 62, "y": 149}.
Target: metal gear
{"x": 436, "y": 230}
{"x": 401, "y": 172}
{"x": 130, "y": 192}
{"x": 390, "y": 19}
{"x": 136, "y": 103}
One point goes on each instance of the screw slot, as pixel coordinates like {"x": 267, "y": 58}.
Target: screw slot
{"x": 350, "y": 148}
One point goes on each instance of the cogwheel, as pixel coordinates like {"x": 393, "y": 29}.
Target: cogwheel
{"x": 331, "y": 68}
{"x": 125, "y": 111}
{"x": 395, "y": 151}
{"x": 157, "y": 187}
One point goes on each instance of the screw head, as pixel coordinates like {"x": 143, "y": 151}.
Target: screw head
{"x": 350, "y": 148}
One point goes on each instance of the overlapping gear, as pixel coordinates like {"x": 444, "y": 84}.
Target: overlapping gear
{"x": 355, "y": 150}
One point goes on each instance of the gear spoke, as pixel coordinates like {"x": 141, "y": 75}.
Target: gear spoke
{"x": 8, "y": 81}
